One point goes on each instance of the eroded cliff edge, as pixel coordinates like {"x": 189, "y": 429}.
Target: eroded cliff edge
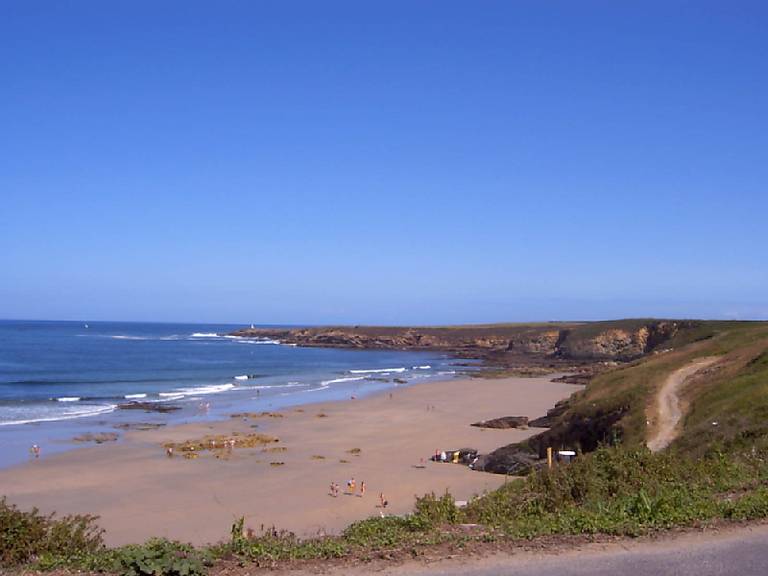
{"x": 619, "y": 340}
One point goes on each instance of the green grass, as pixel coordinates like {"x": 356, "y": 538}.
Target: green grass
{"x": 623, "y": 492}
{"x": 616, "y": 402}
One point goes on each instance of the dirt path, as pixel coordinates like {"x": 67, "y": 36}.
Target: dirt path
{"x": 668, "y": 411}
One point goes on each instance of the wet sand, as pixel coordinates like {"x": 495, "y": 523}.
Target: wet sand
{"x": 139, "y": 492}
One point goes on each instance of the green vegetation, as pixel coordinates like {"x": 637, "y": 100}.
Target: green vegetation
{"x": 628, "y": 492}
{"x": 32, "y": 537}
{"x": 613, "y": 408}
{"x": 716, "y": 470}
{"x": 156, "y": 557}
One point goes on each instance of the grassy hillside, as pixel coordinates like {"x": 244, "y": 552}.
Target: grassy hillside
{"x": 733, "y": 394}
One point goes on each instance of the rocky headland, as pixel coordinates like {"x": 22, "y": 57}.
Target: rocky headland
{"x": 503, "y": 344}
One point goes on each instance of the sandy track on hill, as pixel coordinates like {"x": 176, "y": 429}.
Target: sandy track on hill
{"x": 668, "y": 410}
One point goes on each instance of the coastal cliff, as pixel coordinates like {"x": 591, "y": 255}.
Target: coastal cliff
{"x": 620, "y": 340}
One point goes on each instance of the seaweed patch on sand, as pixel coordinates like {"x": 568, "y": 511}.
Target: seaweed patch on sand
{"x": 219, "y": 444}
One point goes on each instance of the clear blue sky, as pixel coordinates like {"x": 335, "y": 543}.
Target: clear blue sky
{"x": 383, "y": 162}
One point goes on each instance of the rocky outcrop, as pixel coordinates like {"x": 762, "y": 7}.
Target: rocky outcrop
{"x": 619, "y": 343}
{"x": 504, "y": 422}
{"x": 545, "y": 343}
{"x": 512, "y": 460}
{"x": 149, "y": 407}
{"x": 617, "y": 340}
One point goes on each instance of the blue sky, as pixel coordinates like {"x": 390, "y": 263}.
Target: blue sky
{"x": 383, "y": 162}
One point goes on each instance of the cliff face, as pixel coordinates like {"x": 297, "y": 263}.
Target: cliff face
{"x": 620, "y": 340}
{"x": 618, "y": 343}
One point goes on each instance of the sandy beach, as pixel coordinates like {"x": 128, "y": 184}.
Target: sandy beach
{"x": 139, "y": 492}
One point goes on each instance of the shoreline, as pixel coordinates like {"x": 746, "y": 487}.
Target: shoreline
{"x": 275, "y": 392}
{"x": 381, "y": 439}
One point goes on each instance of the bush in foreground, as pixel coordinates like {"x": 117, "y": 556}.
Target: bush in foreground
{"x": 156, "y": 557}
{"x": 27, "y": 537}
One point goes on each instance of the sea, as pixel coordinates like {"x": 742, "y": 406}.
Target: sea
{"x": 60, "y": 379}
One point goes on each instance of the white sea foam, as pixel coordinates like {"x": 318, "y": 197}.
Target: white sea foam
{"x": 427, "y": 367}
{"x": 126, "y": 337}
{"x": 337, "y": 380}
{"x": 68, "y": 399}
{"x": 244, "y": 341}
{"x": 447, "y": 372}
{"x": 267, "y": 387}
{"x": 211, "y": 389}
{"x": 53, "y": 416}
{"x": 242, "y": 377}
{"x": 171, "y": 395}
{"x": 322, "y": 387}
{"x": 379, "y": 371}
{"x": 204, "y": 335}
{"x": 132, "y": 396}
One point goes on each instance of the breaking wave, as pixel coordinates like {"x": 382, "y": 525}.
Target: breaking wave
{"x": 378, "y": 371}
{"x": 47, "y": 414}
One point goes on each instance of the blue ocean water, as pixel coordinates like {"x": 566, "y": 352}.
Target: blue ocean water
{"x": 59, "y": 377}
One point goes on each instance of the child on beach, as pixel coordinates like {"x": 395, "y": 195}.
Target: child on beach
{"x": 351, "y": 485}
{"x": 35, "y": 450}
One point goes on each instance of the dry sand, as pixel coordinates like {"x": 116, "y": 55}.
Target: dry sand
{"x": 138, "y": 492}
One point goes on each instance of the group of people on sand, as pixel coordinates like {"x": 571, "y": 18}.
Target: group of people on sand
{"x": 351, "y": 490}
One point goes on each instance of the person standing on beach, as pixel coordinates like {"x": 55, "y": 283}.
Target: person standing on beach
{"x": 362, "y": 488}
{"x": 35, "y": 450}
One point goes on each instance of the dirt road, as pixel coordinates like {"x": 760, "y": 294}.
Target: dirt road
{"x": 668, "y": 410}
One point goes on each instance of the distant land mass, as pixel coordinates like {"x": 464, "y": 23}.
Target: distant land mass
{"x": 536, "y": 344}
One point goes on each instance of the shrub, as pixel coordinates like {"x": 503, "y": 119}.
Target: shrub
{"x": 28, "y": 536}
{"x": 274, "y": 545}
{"x": 433, "y": 511}
{"x": 159, "y": 557}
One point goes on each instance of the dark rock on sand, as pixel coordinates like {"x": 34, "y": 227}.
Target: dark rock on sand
{"x": 552, "y": 414}
{"x": 149, "y": 407}
{"x": 504, "y": 422}
{"x": 139, "y": 426}
{"x": 512, "y": 460}
{"x": 98, "y": 438}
